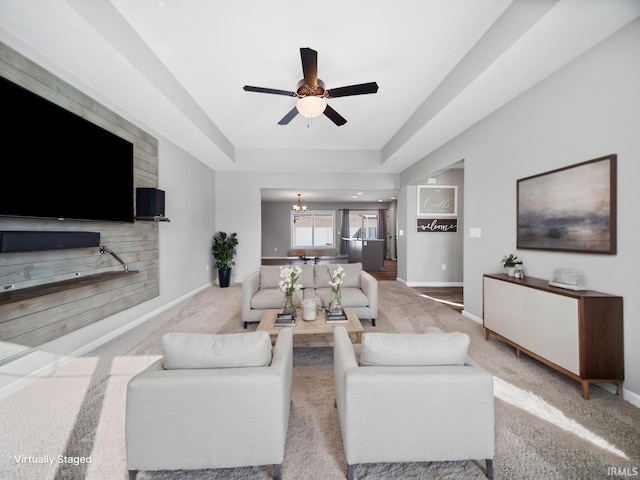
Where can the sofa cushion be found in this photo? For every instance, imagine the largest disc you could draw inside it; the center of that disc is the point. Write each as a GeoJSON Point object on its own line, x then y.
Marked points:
{"type": "Point", "coordinates": [350, 297]}
{"type": "Point", "coordinates": [321, 273]}
{"type": "Point", "coordinates": [352, 275]}
{"type": "Point", "coordinates": [414, 349]}
{"type": "Point", "coordinates": [270, 276]}
{"type": "Point", "coordinates": [267, 298]}
{"type": "Point", "coordinates": [350, 279]}
{"type": "Point", "coordinates": [200, 350]}
{"type": "Point", "coordinates": [307, 279]}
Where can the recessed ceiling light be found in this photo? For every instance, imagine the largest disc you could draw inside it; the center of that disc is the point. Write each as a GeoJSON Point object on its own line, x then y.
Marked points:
{"type": "Point", "coordinates": [392, 198]}
{"type": "Point", "coordinates": [380, 201]}
{"type": "Point", "coordinates": [354, 196]}
{"type": "Point", "coordinates": [360, 193]}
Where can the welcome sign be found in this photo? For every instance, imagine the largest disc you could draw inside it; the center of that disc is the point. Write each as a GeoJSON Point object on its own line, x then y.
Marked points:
{"type": "Point", "coordinates": [437, 224]}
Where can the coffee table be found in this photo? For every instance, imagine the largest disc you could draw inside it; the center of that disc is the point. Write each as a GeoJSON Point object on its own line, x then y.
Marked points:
{"type": "Point", "coordinates": [313, 333]}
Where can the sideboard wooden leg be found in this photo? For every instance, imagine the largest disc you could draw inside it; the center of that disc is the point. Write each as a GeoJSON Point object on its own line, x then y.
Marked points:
{"type": "Point", "coordinates": [585, 389]}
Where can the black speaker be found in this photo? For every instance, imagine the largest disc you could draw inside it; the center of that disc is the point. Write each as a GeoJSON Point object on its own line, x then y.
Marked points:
{"type": "Point", "coordinates": [149, 202]}
{"type": "Point", "coordinates": [26, 241]}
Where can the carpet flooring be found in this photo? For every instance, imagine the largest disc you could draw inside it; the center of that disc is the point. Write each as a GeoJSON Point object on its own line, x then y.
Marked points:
{"type": "Point", "coordinates": [544, 428]}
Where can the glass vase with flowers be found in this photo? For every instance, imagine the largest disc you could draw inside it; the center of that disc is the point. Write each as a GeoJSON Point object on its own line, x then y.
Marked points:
{"type": "Point", "coordinates": [289, 277]}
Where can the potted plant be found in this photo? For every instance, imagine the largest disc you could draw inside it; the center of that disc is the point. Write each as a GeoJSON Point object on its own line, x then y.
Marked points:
{"type": "Point", "coordinates": [224, 249]}
{"type": "Point", "coordinates": [510, 262]}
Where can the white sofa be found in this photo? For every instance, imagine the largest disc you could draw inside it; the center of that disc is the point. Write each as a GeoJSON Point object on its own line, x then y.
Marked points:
{"type": "Point", "coordinates": [412, 398]}
{"type": "Point", "coordinates": [260, 290]}
{"type": "Point", "coordinates": [213, 401]}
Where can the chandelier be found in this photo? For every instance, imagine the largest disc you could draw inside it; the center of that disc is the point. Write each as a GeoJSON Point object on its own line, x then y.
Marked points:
{"type": "Point", "coordinates": [298, 207]}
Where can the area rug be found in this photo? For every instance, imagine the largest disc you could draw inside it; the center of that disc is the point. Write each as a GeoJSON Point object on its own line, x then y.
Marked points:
{"type": "Point", "coordinates": [70, 425]}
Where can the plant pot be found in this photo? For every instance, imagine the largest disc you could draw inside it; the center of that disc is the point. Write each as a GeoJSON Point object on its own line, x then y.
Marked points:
{"type": "Point", "coordinates": [511, 271]}
{"type": "Point", "coordinates": [224, 277]}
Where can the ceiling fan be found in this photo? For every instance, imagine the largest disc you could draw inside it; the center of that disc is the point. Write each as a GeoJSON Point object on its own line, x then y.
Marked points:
{"type": "Point", "coordinates": [311, 92]}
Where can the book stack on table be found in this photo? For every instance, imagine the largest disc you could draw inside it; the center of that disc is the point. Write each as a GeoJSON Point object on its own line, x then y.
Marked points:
{"type": "Point", "coordinates": [336, 317]}
{"type": "Point", "coordinates": [285, 320]}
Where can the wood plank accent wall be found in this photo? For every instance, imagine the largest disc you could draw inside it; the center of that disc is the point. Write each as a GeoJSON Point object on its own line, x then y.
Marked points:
{"type": "Point", "coordinates": [27, 323]}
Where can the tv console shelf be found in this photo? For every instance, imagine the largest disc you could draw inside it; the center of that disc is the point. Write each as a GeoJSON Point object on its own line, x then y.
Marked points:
{"type": "Point", "coordinates": [29, 293]}
{"type": "Point", "coordinates": [152, 219]}
{"type": "Point", "coordinates": [577, 333]}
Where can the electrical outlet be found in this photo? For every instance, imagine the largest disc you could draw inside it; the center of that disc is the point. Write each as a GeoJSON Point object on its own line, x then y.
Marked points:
{"type": "Point", "coordinates": [206, 267]}
{"type": "Point", "coordinates": [444, 266]}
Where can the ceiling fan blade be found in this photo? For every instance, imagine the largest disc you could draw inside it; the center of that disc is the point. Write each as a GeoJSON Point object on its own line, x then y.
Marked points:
{"type": "Point", "coordinates": [360, 89]}
{"type": "Point", "coordinates": [334, 116]}
{"type": "Point", "coordinates": [289, 116]}
{"type": "Point", "coordinates": [249, 88]}
{"type": "Point", "coordinates": [309, 66]}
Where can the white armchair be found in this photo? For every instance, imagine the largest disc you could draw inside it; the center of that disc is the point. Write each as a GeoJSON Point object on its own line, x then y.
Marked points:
{"type": "Point", "coordinates": [412, 398]}
{"type": "Point", "coordinates": [211, 408]}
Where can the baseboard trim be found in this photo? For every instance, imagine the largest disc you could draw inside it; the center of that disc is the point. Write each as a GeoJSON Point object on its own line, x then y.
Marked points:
{"type": "Point", "coordinates": [631, 397]}
{"type": "Point", "coordinates": [473, 317]}
{"type": "Point", "coordinates": [434, 284]}
{"type": "Point", "coordinates": [44, 360]}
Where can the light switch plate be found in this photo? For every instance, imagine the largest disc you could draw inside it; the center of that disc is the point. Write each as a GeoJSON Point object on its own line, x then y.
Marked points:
{"type": "Point", "coordinates": [475, 232]}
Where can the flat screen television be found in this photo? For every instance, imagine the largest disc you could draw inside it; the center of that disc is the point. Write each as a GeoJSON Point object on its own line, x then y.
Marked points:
{"type": "Point", "coordinates": [55, 164]}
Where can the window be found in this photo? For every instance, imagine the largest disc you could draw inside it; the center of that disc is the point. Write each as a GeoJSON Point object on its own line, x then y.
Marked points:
{"type": "Point", "coordinates": [312, 229]}
{"type": "Point", "coordinates": [363, 224]}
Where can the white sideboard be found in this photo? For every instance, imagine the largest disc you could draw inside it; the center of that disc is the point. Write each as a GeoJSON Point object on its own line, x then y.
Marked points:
{"type": "Point", "coordinates": [579, 333]}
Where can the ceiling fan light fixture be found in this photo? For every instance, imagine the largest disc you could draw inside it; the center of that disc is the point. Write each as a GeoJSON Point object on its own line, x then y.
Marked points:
{"type": "Point", "coordinates": [311, 107]}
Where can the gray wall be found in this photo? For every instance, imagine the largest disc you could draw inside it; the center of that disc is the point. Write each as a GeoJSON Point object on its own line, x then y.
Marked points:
{"type": "Point", "coordinates": [586, 110]}
{"type": "Point", "coordinates": [276, 224]}
{"type": "Point", "coordinates": [238, 204]}
{"type": "Point", "coordinates": [186, 263]}
{"type": "Point", "coordinates": [427, 252]}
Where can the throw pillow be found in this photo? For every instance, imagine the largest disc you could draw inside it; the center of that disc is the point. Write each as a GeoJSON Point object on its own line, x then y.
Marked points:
{"type": "Point", "coordinates": [200, 350]}
{"type": "Point", "coordinates": [395, 349]}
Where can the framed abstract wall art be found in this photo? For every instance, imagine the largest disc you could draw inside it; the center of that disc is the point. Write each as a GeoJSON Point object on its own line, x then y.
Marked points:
{"type": "Point", "coordinates": [570, 209]}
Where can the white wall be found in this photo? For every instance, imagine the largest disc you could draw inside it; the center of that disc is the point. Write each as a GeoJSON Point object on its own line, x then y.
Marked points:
{"type": "Point", "coordinates": [588, 109]}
